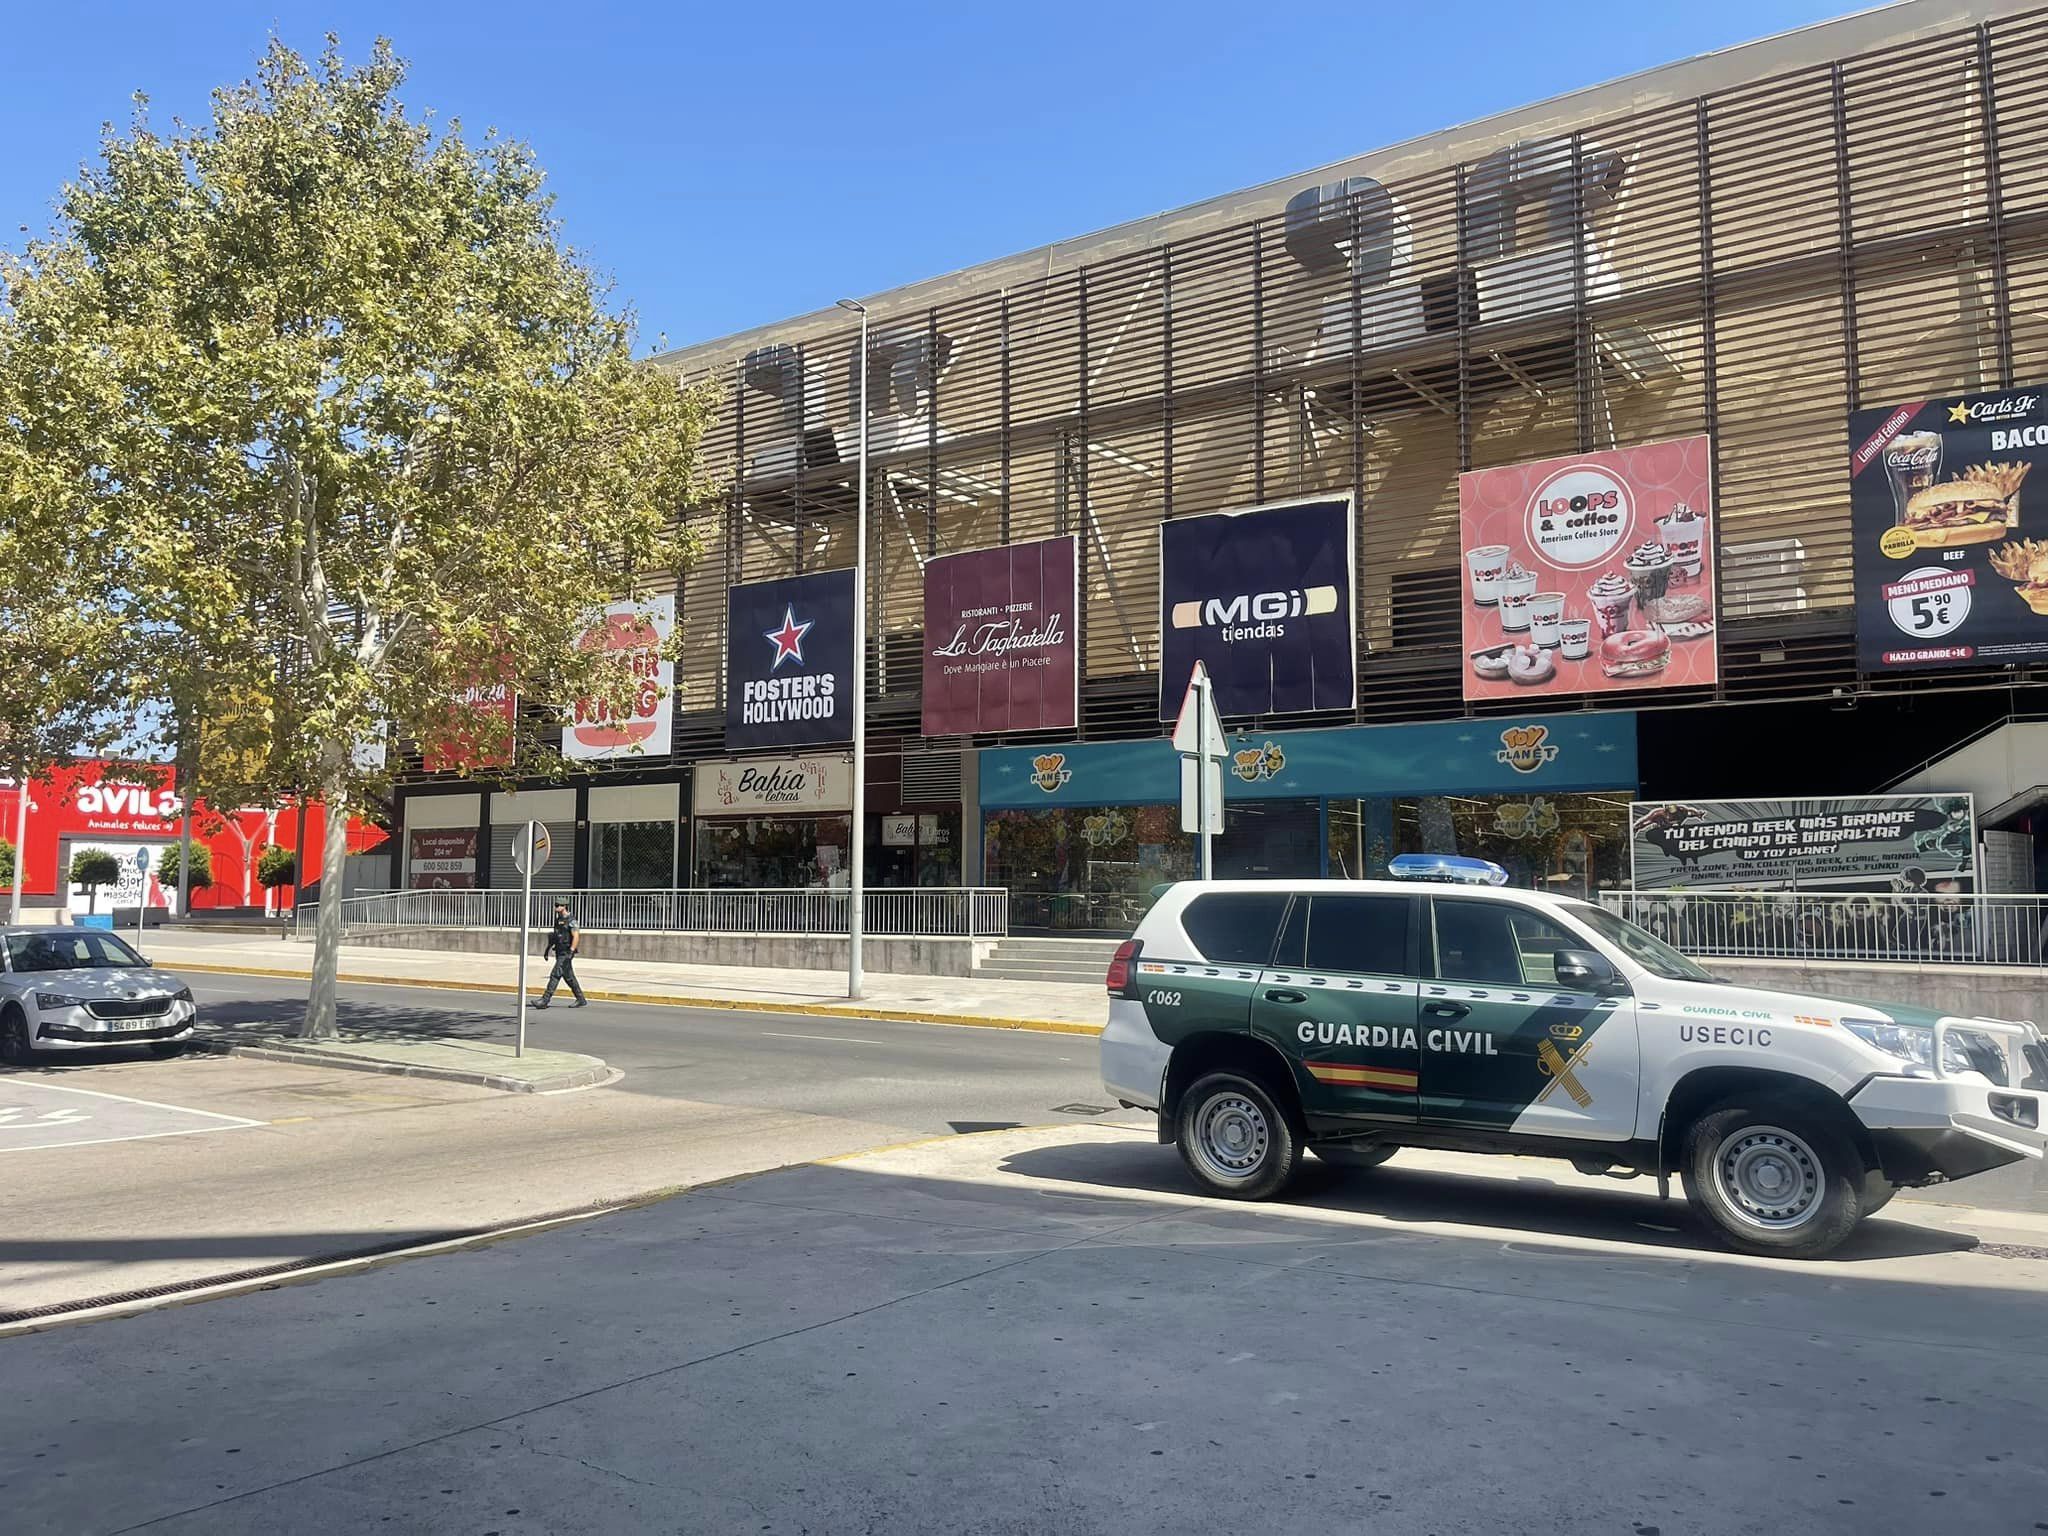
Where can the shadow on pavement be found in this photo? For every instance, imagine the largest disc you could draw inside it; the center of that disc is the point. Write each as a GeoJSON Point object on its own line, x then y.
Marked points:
{"type": "Point", "coordinates": [1529, 1202]}
{"type": "Point", "coordinates": [358, 1020]}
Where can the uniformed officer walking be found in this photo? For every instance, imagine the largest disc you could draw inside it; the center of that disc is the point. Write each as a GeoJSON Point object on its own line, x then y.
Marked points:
{"type": "Point", "coordinates": [562, 944]}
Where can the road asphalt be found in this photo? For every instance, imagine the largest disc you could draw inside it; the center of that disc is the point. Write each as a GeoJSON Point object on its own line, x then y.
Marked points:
{"type": "Point", "coordinates": [1042, 1331]}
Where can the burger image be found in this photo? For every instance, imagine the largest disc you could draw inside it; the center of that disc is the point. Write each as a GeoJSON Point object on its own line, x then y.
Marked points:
{"type": "Point", "coordinates": [1635, 653]}
{"type": "Point", "coordinates": [1975, 507]}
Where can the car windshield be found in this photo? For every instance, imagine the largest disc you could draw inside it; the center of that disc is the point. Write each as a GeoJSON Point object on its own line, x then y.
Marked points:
{"type": "Point", "coordinates": [82, 950]}
{"type": "Point", "coordinates": [1646, 949]}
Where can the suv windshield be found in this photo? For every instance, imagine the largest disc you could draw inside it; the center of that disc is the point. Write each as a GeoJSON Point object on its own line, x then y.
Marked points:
{"type": "Point", "coordinates": [1646, 949]}
{"type": "Point", "coordinates": [83, 950]}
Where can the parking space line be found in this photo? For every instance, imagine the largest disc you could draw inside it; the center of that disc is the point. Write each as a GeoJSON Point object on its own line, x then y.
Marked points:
{"type": "Point", "coordinates": [123, 1098]}
{"type": "Point", "coordinates": [100, 1141]}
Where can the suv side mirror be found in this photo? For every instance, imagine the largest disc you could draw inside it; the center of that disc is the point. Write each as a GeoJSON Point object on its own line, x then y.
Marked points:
{"type": "Point", "coordinates": [1586, 970]}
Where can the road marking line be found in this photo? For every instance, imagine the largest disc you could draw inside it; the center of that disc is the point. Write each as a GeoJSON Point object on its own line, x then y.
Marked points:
{"type": "Point", "coordinates": [770, 1034]}
{"type": "Point", "coordinates": [95, 1093]}
{"type": "Point", "coordinates": [100, 1141]}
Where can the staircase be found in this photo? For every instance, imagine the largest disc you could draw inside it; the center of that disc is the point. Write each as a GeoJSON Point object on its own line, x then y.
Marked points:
{"type": "Point", "coordinates": [1080, 961]}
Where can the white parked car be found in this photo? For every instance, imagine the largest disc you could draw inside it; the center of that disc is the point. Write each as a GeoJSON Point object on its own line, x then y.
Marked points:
{"type": "Point", "coordinates": [84, 989]}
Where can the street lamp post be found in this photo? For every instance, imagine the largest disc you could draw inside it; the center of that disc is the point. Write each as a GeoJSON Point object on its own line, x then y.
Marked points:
{"type": "Point", "coordinates": [857, 862]}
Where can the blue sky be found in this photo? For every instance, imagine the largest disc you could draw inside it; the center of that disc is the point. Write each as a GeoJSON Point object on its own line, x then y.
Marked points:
{"type": "Point", "coordinates": [731, 165]}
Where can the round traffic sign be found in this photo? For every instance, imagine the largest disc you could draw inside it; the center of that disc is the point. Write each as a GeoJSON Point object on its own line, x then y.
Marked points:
{"type": "Point", "coordinates": [530, 848]}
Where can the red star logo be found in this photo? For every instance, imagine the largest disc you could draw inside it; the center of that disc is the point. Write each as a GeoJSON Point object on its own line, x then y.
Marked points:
{"type": "Point", "coordinates": [788, 640]}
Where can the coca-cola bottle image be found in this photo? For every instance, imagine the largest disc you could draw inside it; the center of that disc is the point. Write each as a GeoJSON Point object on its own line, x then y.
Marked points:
{"type": "Point", "coordinates": [1912, 463]}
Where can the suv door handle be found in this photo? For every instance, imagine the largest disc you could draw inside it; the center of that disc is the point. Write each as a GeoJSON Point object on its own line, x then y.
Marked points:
{"type": "Point", "coordinates": [1277, 995]}
{"type": "Point", "coordinates": [1445, 1010]}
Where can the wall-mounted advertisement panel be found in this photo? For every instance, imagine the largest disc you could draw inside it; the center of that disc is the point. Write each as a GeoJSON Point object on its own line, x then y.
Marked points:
{"type": "Point", "coordinates": [1267, 599]}
{"type": "Point", "coordinates": [789, 661]}
{"type": "Point", "coordinates": [1946, 575]}
{"type": "Point", "coordinates": [638, 632]}
{"type": "Point", "coordinates": [1001, 632]}
{"type": "Point", "coordinates": [1592, 573]}
{"type": "Point", "coordinates": [1875, 842]}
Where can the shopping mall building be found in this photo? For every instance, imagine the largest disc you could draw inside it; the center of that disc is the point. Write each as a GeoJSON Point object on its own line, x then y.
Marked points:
{"type": "Point", "coordinates": [1662, 441]}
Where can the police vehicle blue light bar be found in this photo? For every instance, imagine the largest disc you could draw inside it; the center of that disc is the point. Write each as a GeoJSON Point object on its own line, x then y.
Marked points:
{"type": "Point", "coordinates": [1450, 867]}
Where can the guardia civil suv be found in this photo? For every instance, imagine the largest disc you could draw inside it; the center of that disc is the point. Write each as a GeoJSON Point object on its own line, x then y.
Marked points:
{"type": "Point", "coordinates": [1351, 1018]}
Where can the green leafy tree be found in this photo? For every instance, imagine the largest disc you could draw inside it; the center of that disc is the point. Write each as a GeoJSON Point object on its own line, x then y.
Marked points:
{"type": "Point", "coordinates": [7, 865]}
{"type": "Point", "coordinates": [92, 868]}
{"type": "Point", "coordinates": [276, 867]}
{"type": "Point", "coordinates": [373, 432]}
{"type": "Point", "coordinates": [201, 876]}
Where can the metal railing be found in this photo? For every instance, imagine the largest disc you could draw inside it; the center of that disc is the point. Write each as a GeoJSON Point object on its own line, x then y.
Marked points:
{"type": "Point", "coordinates": [976, 912]}
{"type": "Point", "coordinates": [1896, 926]}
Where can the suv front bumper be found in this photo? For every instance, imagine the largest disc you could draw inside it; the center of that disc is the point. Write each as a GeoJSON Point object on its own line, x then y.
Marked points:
{"type": "Point", "coordinates": [1930, 1130]}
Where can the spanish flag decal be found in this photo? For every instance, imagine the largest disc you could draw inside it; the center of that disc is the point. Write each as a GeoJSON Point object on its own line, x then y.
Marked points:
{"type": "Point", "coordinates": [1345, 1074]}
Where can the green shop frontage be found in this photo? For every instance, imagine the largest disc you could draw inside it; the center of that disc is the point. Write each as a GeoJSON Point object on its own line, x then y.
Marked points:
{"type": "Point", "coordinates": [1080, 834]}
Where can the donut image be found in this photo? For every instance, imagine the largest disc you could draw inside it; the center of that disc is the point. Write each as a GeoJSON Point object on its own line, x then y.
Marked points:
{"type": "Point", "coordinates": [1492, 663]}
{"type": "Point", "coordinates": [1531, 665]}
{"type": "Point", "coordinates": [1635, 653]}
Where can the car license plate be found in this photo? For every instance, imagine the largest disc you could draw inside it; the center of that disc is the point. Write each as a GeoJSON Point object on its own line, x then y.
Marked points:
{"type": "Point", "coordinates": [132, 1026]}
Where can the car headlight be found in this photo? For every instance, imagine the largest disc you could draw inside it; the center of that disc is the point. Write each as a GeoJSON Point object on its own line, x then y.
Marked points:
{"type": "Point", "coordinates": [182, 995]}
{"type": "Point", "coordinates": [54, 1000]}
{"type": "Point", "coordinates": [1964, 1050]}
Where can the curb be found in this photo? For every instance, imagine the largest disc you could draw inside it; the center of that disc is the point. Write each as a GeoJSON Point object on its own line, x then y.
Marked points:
{"type": "Point", "coordinates": [587, 1077]}
{"type": "Point", "coordinates": [663, 1000]}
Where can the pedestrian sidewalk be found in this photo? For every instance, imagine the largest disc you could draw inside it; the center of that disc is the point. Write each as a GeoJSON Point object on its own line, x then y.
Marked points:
{"type": "Point", "coordinates": [1057, 1007]}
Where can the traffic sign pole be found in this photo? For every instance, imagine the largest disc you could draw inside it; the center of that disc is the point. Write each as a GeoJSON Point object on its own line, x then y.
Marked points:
{"type": "Point", "coordinates": [1198, 738]}
{"type": "Point", "coordinates": [530, 851]}
{"type": "Point", "coordinates": [141, 894]}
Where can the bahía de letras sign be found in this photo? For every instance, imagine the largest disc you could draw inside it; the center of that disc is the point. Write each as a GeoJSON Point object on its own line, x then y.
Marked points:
{"type": "Point", "coordinates": [1000, 638]}
{"type": "Point", "coordinates": [793, 786]}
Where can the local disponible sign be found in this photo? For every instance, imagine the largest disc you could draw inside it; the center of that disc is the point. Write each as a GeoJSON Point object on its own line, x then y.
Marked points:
{"type": "Point", "coordinates": [1951, 565]}
{"type": "Point", "coordinates": [441, 858]}
{"type": "Point", "coordinates": [1590, 574]}
{"type": "Point", "coordinates": [789, 661]}
{"type": "Point", "coordinates": [999, 633]}
{"type": "Point", "coordinates": [1265, 599]}
{"type": "Point", "coordinates": [638, 633]}
{"type": "Point", "coordinates": [795, 786]}
{"type": "Point", "coordinates": [1899, 842]}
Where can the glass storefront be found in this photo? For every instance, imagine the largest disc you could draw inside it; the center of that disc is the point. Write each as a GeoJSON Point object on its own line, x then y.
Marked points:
{"type": "Point", "coordinates": [914, 848]}
{"type": "Point", "coordinates": [771, 852]}
{"type": "Point", "coordinates": [633, 855]}
{"type": "Point", "coordinates": [1545, 798]}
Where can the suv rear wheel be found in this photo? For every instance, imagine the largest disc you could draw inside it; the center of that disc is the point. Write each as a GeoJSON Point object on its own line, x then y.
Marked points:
{"type": "Point", "coordinates": [1774, 1178]}
{"type": "Point", "coordinates": [1235, 1139]}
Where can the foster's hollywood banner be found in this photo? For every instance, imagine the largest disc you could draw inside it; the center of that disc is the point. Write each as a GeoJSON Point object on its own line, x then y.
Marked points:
{"type": "Point", "coordinates": [1266, 598]}
{"type": "Point", "coordinates": [1591, 573]}
{"type": "Point", "coordinates": [1946, 575]}
{"type": "Point", "coordinates": [1000, 634]}
{"type": "Point", "coordinates": [789, 661]}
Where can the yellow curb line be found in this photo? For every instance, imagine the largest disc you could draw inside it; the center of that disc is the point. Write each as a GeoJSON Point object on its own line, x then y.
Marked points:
{"type": "Point", "coordinates": [659, 1000]}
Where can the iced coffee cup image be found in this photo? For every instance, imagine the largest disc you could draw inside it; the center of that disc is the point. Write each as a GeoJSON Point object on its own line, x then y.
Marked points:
{"type": "Point", "coordinates": [1486, 565]}
{"type": "Point", "coordinates": [1684, 533]}
{"type": "Point", "coordinates": [1546, 612]}
{"type": "Point", "coordinates": [1649, 567]}
{"type": "Point", "coordinates": [1517, 586]}
{"type": "Point", "coordinates": [1611, 596]}
{"type": "Point", "coordinates": [1575, 638]}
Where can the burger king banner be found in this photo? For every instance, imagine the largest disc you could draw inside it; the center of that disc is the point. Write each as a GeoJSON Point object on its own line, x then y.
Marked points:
{"type": "Point", "coordinates": [1592, 573]}
{"type": "Point", "coordinates": [639, 632]}
{"type": "Point", "coordinates": [1949, 513]}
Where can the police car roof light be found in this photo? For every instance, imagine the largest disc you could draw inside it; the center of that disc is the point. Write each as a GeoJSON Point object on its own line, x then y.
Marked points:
{"type": "Point", "coordinates": [1450, 867]}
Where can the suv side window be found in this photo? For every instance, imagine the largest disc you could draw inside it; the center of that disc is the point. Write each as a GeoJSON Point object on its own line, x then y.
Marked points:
{"type": "Point", "coordinates": [1359, 933]}
{"type": "Point", "coordinates": [1496, 942]}
{"type": "Point", "coordinates": [1235, 927]}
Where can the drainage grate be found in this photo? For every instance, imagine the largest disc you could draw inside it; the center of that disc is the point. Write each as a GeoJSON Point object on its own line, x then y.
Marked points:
{"type": "Point", "coordinates": [2010, 1251]}
{"type": "Point", "coordinates": [1080, 1109]}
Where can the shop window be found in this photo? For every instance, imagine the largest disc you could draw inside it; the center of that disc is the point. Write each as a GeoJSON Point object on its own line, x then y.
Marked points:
{"type": "Point", "coordinates": [1366, 934]}
{"type": "Point", "coordinates": [632, 855]}
{"type": "Point", "coordinates": [1090, 869]}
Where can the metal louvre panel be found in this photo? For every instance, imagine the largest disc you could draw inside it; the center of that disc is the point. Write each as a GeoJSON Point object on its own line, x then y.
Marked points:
{"type": "Point", "coordinates": [1753, 263]}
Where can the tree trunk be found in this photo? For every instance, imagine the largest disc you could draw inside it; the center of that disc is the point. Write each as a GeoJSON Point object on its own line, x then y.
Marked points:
{"type": "Point", "coordinates": [184, 862]}
{"type": "Point", "coordinates": [320, 1011]}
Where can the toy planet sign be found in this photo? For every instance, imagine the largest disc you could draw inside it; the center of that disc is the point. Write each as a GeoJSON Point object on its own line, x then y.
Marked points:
{"type": "Point", "coordinates": [1875, 842]}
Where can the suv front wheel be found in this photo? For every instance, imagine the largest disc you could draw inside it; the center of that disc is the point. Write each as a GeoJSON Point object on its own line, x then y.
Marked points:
{"type": "Point", "coordinates": [1235, 1139]}
{"type": "Point", "coordinates": [1774, 1179]}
